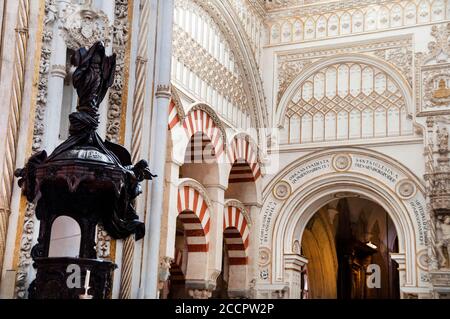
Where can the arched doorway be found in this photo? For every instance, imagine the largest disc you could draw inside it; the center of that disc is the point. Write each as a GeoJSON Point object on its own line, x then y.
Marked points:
{"type": "Point", "coordinates": [232, 281]}
{"type": "Point", "coordinates": [308, 184]}
{"type": "Point", "coordinates": [348, 243]}
{"type": "Point", "coordinates": [190, 264]}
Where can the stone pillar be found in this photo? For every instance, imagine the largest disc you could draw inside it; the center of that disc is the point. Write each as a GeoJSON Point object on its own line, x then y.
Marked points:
{"type": "Point", "coordinates": [55, 85]}
{"type": "Point", "coordinates": [400, 259]}
{"type": "Point", "coordinates": [293, 267]}
{"type": "Point", "coordinates": [137, 147]}
{"type": "Point", "coordinates": [217, 197]}
{"type": "Point", "coordinates": [159, 149]}
{"type": "Point", "coordinates": [169, 220]}
{"type": "Point", "coordinates": [253, 250]}
{"type": "Point", "coordinates": [107, 7]}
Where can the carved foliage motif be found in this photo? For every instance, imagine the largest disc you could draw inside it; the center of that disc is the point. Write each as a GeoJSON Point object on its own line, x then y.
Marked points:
{"type": "Point", "coordinates": [85, 26]}
{"type": "Point", "coordinates": [287, 72]}
{"type": "Point", "coordinates": [400, 57]}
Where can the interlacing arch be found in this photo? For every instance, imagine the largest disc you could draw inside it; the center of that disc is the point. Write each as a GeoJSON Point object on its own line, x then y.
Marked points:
{"type": "Point", "coordinates": [236, 235]}
{"type": "Point", "coordinates": [241, 152]}
{"type": "Point", "coordinates": [195, 215]}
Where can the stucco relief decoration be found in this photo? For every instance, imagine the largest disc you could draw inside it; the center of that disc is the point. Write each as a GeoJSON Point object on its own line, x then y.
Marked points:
{"type": "Point", "coordinates": [342, 162]}
{"type": "Point", "coordinates": [406, 189]}
{"type": "Point", "coordinates": [434, 77]}
{"type": "Point", "coordinates": [287, 72]}
{"type": "Point", "coordinates": [85, 26]}
{"type": "Point", "coordinates": [264, 257]}
{"type": "Point", "coordinates": [282, 190]}
{"type": "Point", "coordinates": [423, 259]}
{"type": "Point", "coordinates": [443, 242]}
{"type": "Point", "coordinates": [401, 58]}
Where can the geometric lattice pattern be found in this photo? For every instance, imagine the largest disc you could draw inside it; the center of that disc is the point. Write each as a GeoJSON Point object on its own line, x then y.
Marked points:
{"type": "Point", "coordinates": [345, 101]}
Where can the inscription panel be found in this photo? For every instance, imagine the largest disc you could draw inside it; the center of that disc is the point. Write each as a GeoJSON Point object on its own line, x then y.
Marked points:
{"type": "Point", "coordinates": [366, 166]}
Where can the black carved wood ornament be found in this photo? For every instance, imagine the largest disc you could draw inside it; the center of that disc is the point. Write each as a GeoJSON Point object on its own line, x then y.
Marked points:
{"type": "Point", "coordinates": [85, 178]}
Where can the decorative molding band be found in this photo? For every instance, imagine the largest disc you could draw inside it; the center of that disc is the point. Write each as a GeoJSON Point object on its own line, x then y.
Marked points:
{"type": "Point", "coordinates": [59, 71]}
{"type": "Point", "coordinates": [346, 18]}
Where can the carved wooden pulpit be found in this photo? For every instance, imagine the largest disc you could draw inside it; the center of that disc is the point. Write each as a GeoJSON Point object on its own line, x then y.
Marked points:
{"type": "Point", "coordinates": [85, 178]}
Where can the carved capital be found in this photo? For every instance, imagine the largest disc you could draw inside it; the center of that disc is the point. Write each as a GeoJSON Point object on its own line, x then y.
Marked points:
{"type": "Point", "coordinates": [163, 91]}
{"type": "Point", "coordinates": [59, 71]}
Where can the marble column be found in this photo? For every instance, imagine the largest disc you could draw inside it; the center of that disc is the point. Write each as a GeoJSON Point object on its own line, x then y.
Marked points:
{"type": "Point", "coordinates": [159, 149]}
{"type": "Point", "coordinates": [253, 250]}
{"type": "Point", "coordinates": [293, 267]}
{"type": "Point", "coordinates": [169, 221]}
{"type": "Point", "coordinates": [217, 196]}
{"type": "Point", "coordinates": [108, 7]}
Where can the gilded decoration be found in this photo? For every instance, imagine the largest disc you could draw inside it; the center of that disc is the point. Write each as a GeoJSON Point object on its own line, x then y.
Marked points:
{"type": "Point", "coordinates": [433, 74]}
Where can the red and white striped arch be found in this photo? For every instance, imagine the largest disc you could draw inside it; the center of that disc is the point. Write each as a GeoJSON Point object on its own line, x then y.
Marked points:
{"type": "Point", "coordinates": [174, 119]}
{"type": "Point", "coordinates": [241, 152]}
{"type": "Point", "coordinates": [195, 216]}
{"type": "Point", "coordinates": [176, 271]}
{"type": "Point", "coordinates": [199, 121]}
{"type": "Point", "coordinates": [236, 235]}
